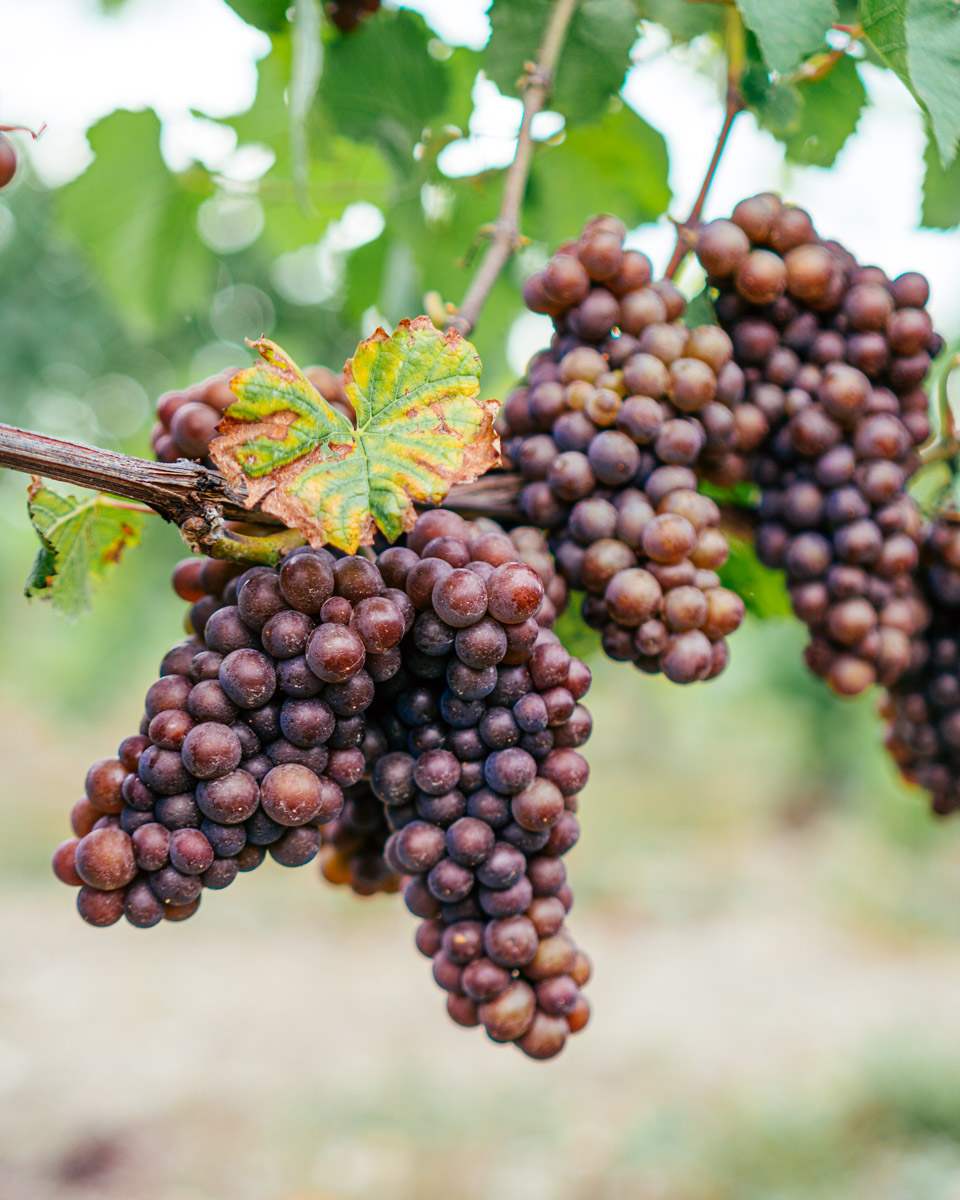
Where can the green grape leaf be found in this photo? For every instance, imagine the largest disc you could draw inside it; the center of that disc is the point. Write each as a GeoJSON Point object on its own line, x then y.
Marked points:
{"type": "Point", "coordinates": [341, 171]}
{"type": "Point", "coordinates": [933, 60]}
{"type": "Point", "coordinates": [593, 62]}
{"type": "Point", "coordinates": [420, 429]}
{"type": "Point", "coordinates": [136, 222]}
{"type": "Point", "coordinates": [787, 35]}
{"type": "Point", "coordinates": [941, 191]}
{"type": "Point", "coordinates": [920, 41]}
{"type": "Point", "coordinates": [775, 103]}
{"type": "Point", "coordinates": [883, 24]}
{"type": "Point", "coordinates": [619, 164]}
{"type": "Point", "coordinates": [683, 20]}
{"type": "Point", "coordinates": [813, 119]}
{"type": "Point", "coordinates": [763, 591]}
{"type": "Point", "coordinates": [829, 112]}
{"type": "Point", "coordinates": [699, 310]}
{"type": "Point", "coordinates": [80, 540]}
{"type": "Point", "coordinates": [268, 15]}
{"type": "Point", "coordinates": [381, 84]}
{"type": "Point", "coordinates": [575, 635]}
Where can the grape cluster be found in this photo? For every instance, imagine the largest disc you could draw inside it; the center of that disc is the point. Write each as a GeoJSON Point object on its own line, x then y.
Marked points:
{"type": "Point", "coordinates": [834, 356]}
{"type": "Point", "coordinates": [353, 844]}
{"type": "Point", "coordinates": [347, 14]}
{"type": "Point", "coordinates": [412, 719]}
{"type": "Point", "coordinates": [922, 709]}
{"type": "Point", "coordinates": [249, 736]}
{"type": "Point", "coordinates": [607, 433]}
{"type": "Point", "coordinates": [480, 782]}
{"type": "Point", "coordinates": [187, 420]}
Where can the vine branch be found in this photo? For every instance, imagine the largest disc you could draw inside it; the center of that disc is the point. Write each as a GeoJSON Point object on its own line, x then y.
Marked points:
{"type": "Point", "coordinates": [204, 506]}
{"type": "Point", "coordinates": [199, 500]}
{"type": "Point", "coordinates": [506, 230]}
{"type": "Point", "coordinates": [687, 230]}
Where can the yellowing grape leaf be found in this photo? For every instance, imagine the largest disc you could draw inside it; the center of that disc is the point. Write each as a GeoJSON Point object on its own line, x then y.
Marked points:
{"type": "Point", "coordinates": [79, 541]}
{"type": "Point", "coordinates": [420, 429]}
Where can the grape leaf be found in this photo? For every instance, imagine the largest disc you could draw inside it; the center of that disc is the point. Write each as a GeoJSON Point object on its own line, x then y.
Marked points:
{"type": "Point", "coordinates": [593, 62]}
{"type": "Point", "coordinates": [381, 84]}
{"type": "Point", "coordinates": [699, 310]}
{"type": "Point", "coordinates": [920, 41]}
{"type": "Point", "coordinates": [80, 540]}
{"type": "Point", "coordinates": [933, 60]}
{"type": "Point", "coordinates": [420, 429]}
{"type": "Point", "coordinates": [619, 164]}
{"type": "Point", "coordinates": [136, 222]}
{"type": "Point", "coordinates": [941, 191]}
{"type": "Point", "coordinates": [684, 20]}
{"type": "Point", "coordinates": [786, 35]}
{"type": "Point", "coordinates": [813, 119]}
{"type": "Point", "coordinates": [341, 171]}
{"type": "Point", "coordinates": [829, 113]}
{"type": "Point", "coordinates": [882, 22]}
{"type": "Point", "coordinates": [269, 15]}
{"type": "Point", "coordinates": [774, 102]}
{"type": "Point", "coordinates": [763, 591]}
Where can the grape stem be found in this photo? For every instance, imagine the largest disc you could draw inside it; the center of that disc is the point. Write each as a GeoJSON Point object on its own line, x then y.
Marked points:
{"type": "Point", "coordinates": [687, 230]}
{"type": "Point", "coordinates": [505, 233]}
{"type": "Point", "coordinates": [945, 445]}
{"type": "Point", "coordinates": [23, 129]}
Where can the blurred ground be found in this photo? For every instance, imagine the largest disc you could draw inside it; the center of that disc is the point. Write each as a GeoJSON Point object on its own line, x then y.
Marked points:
{"type": "Point", "coordinates": [772, 918]}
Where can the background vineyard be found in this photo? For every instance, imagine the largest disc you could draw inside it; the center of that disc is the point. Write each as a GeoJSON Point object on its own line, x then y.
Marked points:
{"type": "Point", "coordinates": [772, 915]}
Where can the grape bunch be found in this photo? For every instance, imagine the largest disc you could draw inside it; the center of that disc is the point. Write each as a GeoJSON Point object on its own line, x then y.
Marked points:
{"type": "Point", "coordinates": [248, 738]}
{"type": "Point", "coordinates": [347, 14]}
{"type": "Point", "coordinates": [480, 783]}
{"type": "Point", "coordinates": [352, 852]}
{"type": "Point", "coordinates": [834, 356]}
{"type": "Point", "coordinates": [607, 433]}
{"type": "Point", "coordinates": [412, 719]}
{"type": "Point", "coordinates": [187, 420]}
{"type": "Point", "coordinates": [922, 709]}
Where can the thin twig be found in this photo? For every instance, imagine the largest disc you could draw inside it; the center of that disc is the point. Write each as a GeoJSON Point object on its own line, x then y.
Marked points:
{"type": "Point", "coordinates": [506, 231]}
{"type": "Point", "coordinates": [23, 129]}
{"type": "Point", "coordinates": [687, 230]}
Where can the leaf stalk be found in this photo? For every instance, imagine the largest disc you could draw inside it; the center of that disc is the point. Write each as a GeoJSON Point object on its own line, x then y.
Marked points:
{"type": "Point", "coordinates": [505, 237]}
